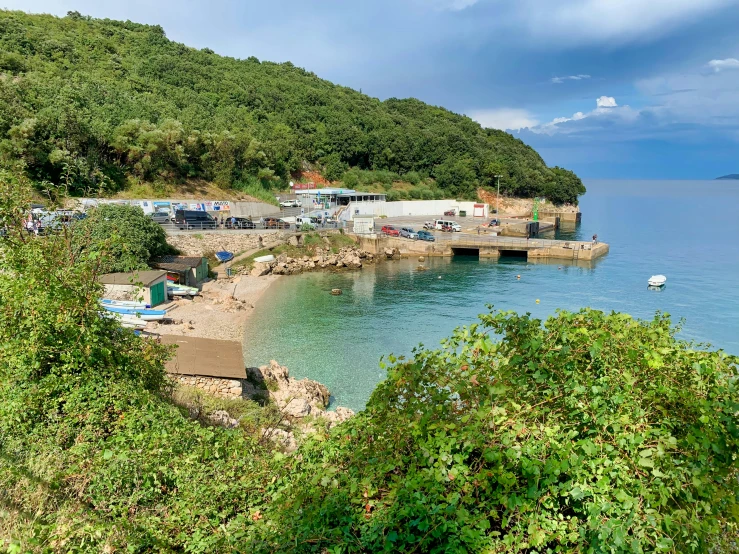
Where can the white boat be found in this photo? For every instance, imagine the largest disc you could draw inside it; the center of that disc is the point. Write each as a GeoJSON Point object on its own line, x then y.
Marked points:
{"type": "Point", "coordinates": [127, 321]}
{"type": "Point", "coordinates": [657, 281]}
{"type": "Point", "coordinates": [265, 259]}
{"type": "Point", "coordinates": [123, 303]}
{"type": "Point", "coordinates": [179, 292]}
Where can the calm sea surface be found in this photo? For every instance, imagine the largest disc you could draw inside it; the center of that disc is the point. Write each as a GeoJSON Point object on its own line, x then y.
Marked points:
{"type": "Point", "coordinates": [687, 230]}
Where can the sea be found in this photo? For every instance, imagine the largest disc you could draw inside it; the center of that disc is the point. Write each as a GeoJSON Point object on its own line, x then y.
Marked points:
{"type": "Point", "coordinates": [686, 230]}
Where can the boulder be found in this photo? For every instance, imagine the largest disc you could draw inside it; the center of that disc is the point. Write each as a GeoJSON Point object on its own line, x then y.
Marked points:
{"type": "Point", "coordinates": [283, 439]}
{"type": "Point", "coordinates": [389, 252]}
{"type": "Point", "coordinates": [260, 268]}
{"type": "Point", "coordinates": [297, 407]}
{"type": "Point", "coordinates": [339, 415]}
{"type": "Point", "coordinates": [223, 419]}
{"type": "Point", "coordinates": [284, 390]}
{"type": "Point", "coordinates": [293, 241]}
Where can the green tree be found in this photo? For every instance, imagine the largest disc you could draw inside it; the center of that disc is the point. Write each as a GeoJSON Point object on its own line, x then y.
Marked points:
{"type": "Point", "coordinates": [128, 237]}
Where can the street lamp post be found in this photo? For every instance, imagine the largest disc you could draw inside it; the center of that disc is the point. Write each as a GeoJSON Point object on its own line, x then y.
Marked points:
{"type": "Point", "coordinates": [497, 206]}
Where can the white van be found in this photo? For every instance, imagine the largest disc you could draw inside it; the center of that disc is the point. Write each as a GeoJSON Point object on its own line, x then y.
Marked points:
{"type": "Point", "coordinates": [304, 220]}
{"type": "Point", "coordinates": [439, 223]}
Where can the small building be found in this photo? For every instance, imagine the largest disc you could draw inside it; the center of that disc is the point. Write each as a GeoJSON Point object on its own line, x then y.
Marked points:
{"type": "Point", "coordinates": [192, 270]}
{"type": "Point", "coordinates": [364, 224]}
{"type": "Point", "coordinates": [147, 286]}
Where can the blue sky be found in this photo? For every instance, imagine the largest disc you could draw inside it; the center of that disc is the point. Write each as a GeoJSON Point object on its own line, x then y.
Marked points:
{"type": "Point", "coordinates": [609, 88]}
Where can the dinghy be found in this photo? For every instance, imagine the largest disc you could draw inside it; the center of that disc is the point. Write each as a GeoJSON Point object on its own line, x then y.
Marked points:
{"type": "Point", "coordinates": [131, 322]}
{"type": "Point", "coordinates": [180, 290]}
{"type": "Point", "coordinates": [123, 303]}
{"type": "Point", "coordinates": [265, 259]}
{"type": "Point", "coordinates": [224, 256]}
{"type": "Point", "coordinates": [146, 315]}
{"type": "Point", "coordinates": [657, 281]}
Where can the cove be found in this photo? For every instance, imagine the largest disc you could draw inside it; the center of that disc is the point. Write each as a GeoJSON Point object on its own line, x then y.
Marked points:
{"type": "Point", "coordinates": [392, 308]}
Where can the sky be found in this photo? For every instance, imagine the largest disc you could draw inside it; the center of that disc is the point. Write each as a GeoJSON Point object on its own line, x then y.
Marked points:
{"type": "Point", "coordinates": [608, 88]}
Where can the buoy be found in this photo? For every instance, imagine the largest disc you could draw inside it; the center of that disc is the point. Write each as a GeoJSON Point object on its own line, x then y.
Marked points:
{"type": "Point", "coordinates": [336, 292]}
{"type": "Point", "coordinates": [421, 259]}
{"type": "Point", "coordinates": [518, 276]}
{"type": "Point", "coordinates": [560, 267]}
{"type": "Point", "coordinates": [537, 300]}
{"type": "Point", "coordinates": [439, 277]}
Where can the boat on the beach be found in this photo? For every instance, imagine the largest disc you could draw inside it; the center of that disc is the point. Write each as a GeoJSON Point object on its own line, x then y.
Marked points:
{"type": "Point", "coordinates": [181, 290]}
{"type": "Point", "coordinates": [125, 320]}
{"type": "Point", "coordinates": [123, 303]}
{"type": "Point", "coordinates": [265, 259]}
{"type": "Point", "coordinates": [224, 256]}
{"type": "Point", "coordinates": [657, 281]}
{"type": "Point", "coordinates": [141, 313]}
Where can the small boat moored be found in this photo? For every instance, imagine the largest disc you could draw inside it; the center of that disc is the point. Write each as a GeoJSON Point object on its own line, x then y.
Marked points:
{"type": "Point", "coordinates": [265, 259]}
{"type": "Point", "coordinates": [657, 281]}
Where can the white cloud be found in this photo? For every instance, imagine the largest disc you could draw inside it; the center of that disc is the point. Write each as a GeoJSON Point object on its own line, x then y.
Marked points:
{"type": "Point", "coordinates": [720, 65]}
{"type": "Point", "coordinates": [560, 80]}
{"type": "Point", "coordinates": [505, 119]}
{"type": "Point", "coordinates": [606, 102]}
{"type": "Point", "coordinates": [599, 21]}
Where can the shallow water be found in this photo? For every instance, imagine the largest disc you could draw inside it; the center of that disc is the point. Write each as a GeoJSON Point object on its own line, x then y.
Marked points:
{"type": "Point", "coordinates": [686, 230]}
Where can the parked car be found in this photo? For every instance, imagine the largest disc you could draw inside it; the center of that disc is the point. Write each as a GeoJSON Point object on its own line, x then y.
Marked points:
{"type": "Point", "coordinates": [493, 223]}
{"type": "Point", "coordinates": [425, 235]}
{"type": "Point", "coordinates": [290, 203]}
{"type": "Point", "coordinates": [53, 222]}
{"type": "Point", "coordinates": [452, 225]}
{"type": "Point", "coordinates": [429, 225]}
{"type": "Point", "coordinates": [409, 233]}
{"type": "Point", "coordinates": [450, 213]}
{"type": "Point", "coordinates": [193, 219]}
{"type": "Point", "coordinates": [390, 231]}
{"type": "Point", "coordinates": [239, 223]}
{"type": "Point", "coordinates": [275, 223]}
{"type": "Point", "coordinates": [160, 217]}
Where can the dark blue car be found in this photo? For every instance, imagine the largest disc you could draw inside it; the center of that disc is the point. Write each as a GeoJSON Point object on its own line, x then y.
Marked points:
{"type": "Point", "coordinates": [425, 235]}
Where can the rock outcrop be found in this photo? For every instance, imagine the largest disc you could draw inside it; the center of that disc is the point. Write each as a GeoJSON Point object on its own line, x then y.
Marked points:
{"type": "Point", "coordinates": [349, 257]}
{"type": "Point", "coordinates": [297, 399]}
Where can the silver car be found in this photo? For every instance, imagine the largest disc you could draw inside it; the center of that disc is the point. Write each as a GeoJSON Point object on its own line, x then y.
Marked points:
{"type": "Point", "coordinates": [408, 233]}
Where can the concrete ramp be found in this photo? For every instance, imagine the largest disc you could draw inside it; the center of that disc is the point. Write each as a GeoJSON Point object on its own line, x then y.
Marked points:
{"type": "Point", "coordinates": [205, 357]}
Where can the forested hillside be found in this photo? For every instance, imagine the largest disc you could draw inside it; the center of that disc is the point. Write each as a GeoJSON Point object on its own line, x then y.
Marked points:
{"type": "Point", "coordinates": [97, 104]}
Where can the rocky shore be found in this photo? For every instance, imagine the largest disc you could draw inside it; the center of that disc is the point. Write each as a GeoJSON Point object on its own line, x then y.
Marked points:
{"type": "Point", "coordinates": [349, 257]}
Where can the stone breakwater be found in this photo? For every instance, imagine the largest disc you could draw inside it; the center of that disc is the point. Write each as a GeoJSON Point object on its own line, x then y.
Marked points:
{"type": "Point", "coordinates": [349, 257]}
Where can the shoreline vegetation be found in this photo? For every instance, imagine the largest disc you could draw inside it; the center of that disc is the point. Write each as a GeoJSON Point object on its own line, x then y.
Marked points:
{"type": "Point", "coordinates": [584, 432]}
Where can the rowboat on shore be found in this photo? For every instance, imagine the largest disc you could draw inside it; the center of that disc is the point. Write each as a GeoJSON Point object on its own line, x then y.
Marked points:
{"type": "Point", "coordinates": [123, 303]}
{"type": "Point", "coordinates": [224, 256]}
{"type": "Point", "coordinates": [144, 314]}
{"type": "Point", "coordinates": [125, 320]}
{"type": "Point", "coordinates": [265, 259]}
{"type": "Point", "coordinates": [181, 290]}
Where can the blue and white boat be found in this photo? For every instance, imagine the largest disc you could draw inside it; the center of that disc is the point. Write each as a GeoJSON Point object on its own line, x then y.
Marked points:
{"type": "Point", "coordinates": [181, 290]}
{"type": "Point", "coordinates": [141, 313]}
{"type": "Point", "coordinates": [224, 256]}
{"type": "Point", "coordinates": [123, 303]}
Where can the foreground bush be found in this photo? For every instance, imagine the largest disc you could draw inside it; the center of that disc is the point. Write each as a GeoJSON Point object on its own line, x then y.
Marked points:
{"type": "Point", "coordinates": [589, 433]}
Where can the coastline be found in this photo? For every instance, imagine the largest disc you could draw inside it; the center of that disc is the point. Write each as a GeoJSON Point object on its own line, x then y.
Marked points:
{"type": "Point", "coordinates": [220, 312]}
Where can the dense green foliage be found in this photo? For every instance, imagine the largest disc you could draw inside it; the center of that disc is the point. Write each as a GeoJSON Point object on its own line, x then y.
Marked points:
{"type": "Point", "coordinates": [93, 103]}
{"type": "Point", "coordinates": [589, 432]}
{"type": "Point", "coordinates": [129, 238]}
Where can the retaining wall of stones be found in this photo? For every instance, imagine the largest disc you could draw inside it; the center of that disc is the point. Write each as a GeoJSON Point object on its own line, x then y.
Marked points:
{"type": "Point", "coordinates": [225, 388]}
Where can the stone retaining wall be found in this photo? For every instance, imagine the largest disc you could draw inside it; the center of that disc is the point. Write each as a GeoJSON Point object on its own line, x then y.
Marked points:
{"type": "Point", "coordinates": [225, 388]}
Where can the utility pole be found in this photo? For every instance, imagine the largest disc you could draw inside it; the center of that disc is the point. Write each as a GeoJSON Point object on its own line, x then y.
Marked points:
{"type": "Point", "coordinates": [497, 207]}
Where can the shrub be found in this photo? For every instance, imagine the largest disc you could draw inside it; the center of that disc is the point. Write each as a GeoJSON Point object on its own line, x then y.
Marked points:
{"type": "Point", "coordinates": [588, 433]}
{"type": "Point", "coordinates": [123, 237]}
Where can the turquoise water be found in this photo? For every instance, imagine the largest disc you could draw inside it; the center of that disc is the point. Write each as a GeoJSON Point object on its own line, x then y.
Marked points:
{"type": "Point", "coordinates": [686, 230]}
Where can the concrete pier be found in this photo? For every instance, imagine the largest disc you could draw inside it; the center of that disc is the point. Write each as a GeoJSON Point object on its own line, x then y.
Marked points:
{"type": "Point", "coordinates": [449, 244]}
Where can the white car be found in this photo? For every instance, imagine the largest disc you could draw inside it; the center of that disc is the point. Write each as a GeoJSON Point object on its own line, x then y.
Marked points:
{"type": "Point", "coordinates": [290, 203]}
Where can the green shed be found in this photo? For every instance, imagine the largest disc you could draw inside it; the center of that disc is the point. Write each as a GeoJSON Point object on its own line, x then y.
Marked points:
{"type": "Point", "coordinates": [147, 286]}
{"type": "Point", "coordinates": [192, 270]}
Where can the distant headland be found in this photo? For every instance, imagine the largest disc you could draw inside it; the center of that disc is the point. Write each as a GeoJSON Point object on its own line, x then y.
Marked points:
{"type": "Point", "coordinates": [734, 176]}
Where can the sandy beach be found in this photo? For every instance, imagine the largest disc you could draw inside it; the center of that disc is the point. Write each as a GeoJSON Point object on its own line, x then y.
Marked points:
{"type": "Point", "coordinates": [220, 311]}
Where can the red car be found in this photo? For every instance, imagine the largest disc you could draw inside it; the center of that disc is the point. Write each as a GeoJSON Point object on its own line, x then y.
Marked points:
{"type": "Point", "coordinates": [450, 213]}
{"type": "Point", "coordinates": [390, 231]}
